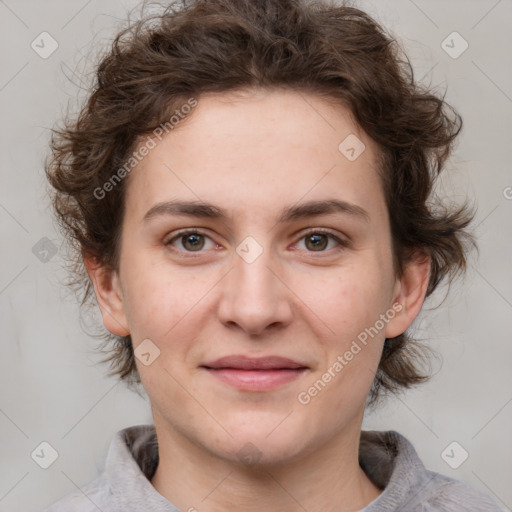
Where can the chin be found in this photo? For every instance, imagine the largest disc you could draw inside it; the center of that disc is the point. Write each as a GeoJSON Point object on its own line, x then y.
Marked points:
{"type": "Point", "coordinates": [261, 445]}
{"type": "Point", "coordinates": [262, 454]}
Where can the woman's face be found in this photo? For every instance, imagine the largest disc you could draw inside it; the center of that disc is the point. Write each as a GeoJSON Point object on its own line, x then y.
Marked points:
{"type": "Point", "coordinates": [291, 258]}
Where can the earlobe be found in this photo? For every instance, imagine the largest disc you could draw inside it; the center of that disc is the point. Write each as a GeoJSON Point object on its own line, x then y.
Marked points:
{"type": "Point", "coordinates": [109, 296]}
{"type": "Point", "coordinates": [410, 293]}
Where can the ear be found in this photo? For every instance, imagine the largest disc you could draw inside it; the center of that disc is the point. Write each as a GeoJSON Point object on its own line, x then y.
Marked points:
{"type": "Point", "coordinates": [109, 296]}
{"type": "Point", "coordinates": [409, 292]}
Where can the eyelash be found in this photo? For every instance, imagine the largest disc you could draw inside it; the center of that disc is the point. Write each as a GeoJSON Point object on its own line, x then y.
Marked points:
{"type": "Point", "coordinates": [342, 244]}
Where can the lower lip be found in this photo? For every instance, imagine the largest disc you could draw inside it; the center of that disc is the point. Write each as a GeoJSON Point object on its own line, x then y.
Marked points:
{"type": "Point", "coordinates": [256, 380]}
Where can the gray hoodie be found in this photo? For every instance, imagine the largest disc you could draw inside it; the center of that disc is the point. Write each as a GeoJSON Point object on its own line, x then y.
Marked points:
{"type": "Point", "coordinates": [388, 459]}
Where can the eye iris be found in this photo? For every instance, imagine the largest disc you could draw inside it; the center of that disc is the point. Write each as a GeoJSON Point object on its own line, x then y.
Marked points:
{"type": "Point", "coordinates": [319, 241]}
{"type": "Point", "coordinates": [197, 241]}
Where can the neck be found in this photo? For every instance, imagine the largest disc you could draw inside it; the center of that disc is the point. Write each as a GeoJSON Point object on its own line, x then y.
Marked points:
{"type": "Point", "coordinates": [328, 479]}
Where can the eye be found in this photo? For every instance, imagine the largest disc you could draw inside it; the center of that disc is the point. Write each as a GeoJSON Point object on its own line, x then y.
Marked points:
{"type": "Point", "coordinates": [194, 240]}
{"type": "Point", "coordinates": [317, 240]}
{"type": "Point", "coordinates": [191, 240]}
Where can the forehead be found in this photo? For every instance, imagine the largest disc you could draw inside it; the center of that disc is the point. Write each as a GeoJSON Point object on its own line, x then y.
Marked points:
{"type": "Point", "coordinates": [256, 148]}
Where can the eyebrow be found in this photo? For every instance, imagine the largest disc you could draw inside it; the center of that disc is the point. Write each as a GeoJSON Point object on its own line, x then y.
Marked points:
{"type": "Point", "coordinates": [205, 210]}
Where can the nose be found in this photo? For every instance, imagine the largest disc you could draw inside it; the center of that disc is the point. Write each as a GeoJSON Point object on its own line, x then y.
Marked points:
{"type": "Point", "coordinates": [255, 297]}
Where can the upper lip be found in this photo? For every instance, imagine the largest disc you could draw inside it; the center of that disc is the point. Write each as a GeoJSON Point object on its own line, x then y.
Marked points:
{"type": "Point", "coordinates": [241, 362]}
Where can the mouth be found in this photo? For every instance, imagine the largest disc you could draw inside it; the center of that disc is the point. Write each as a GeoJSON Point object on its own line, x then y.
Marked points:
{"type": "Point", "coordinates": [255, 374]}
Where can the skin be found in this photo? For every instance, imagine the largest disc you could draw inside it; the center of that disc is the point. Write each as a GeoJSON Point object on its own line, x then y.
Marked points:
{"type": "Point", "coordinates": [254, 153]}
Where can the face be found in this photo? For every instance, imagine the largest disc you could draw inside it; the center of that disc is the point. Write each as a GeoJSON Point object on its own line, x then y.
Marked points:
{"type": "Point", "coordinates": [292, 259]}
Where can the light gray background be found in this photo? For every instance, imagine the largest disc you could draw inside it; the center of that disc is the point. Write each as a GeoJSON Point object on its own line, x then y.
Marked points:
{"type": "Point", "coordinates": [50, 386]}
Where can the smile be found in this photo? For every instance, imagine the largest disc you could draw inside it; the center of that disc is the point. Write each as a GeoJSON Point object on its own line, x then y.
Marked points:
{"type": "Point", "coordinates": [255, 374]}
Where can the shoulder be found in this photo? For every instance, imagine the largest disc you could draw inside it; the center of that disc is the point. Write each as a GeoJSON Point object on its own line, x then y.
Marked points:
{"type": "Point", "coordinates": [446, 494]}
{"type": "Point", "coordinates": [393, 464]}
{"type": "Point", "coordinates": [91, 498]}
{"type": "Point", "coordinates": [123, 481]}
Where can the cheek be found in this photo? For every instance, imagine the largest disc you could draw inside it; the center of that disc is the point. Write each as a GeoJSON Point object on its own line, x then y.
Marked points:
{"type": "Point", "coordinates": [352, 348]}
{"type": "Point", "coordinates": [349, 300]}
{"type": "Point", "coordinates": [350, 305]}
{"type": "Point", "coordinates": [159, 298]}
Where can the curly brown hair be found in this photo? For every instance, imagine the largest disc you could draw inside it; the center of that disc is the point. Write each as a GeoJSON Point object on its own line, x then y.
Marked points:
{"type": "Point", "coordinates": [160, 61]}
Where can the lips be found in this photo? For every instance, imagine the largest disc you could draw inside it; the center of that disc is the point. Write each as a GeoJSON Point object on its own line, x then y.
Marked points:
{"type": "Point", "coordinates": [254, 364]}
{"type": "Point", "coordinates": [255, 374]}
